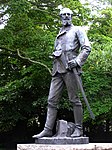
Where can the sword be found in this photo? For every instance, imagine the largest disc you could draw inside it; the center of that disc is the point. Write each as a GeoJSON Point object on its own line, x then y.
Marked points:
{"type": "Point", "coordinates": [82, 90]}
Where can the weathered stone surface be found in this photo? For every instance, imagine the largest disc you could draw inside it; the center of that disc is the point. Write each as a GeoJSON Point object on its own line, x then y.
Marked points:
{"type": "Point", "coordinates": [62, 140]}
{"type": "Point", "coordinates": [90, 146]}
{"type": "Point", "coordinates": [64, 128]}
{"type": "Point", "coordinates": [61, 128]}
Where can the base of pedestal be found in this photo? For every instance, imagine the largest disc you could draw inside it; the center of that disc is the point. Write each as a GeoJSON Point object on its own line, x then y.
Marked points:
{"type": "Point", "coordinates": [62, 140]}
{"type": "Point", "coordinates": [90, 146]}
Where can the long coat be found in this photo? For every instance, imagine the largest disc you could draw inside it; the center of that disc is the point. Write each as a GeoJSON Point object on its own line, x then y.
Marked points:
{"type": "Point", "coordinates": [71, 42]}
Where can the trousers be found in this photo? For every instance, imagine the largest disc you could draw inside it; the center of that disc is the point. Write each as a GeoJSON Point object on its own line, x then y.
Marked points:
{"type": "Point", "coordinates": [58, 82]}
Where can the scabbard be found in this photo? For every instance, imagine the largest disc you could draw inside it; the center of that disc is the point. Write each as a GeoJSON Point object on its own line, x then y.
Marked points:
{"type": "Point", "coordinates": [79, 84]}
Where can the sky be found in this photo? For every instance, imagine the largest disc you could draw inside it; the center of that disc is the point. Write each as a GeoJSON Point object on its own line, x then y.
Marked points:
{"type": "Point", "coordinates": [95, 3]}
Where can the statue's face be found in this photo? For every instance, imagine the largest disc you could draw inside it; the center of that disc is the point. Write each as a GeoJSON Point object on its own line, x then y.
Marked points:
{"type": "Point", "coordinates": [66, 16]}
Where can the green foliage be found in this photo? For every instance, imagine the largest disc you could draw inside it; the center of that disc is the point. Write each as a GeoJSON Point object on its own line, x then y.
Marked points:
{"type": "Point", "coordinates": [102, 25]}
{"type": "Point", "coordinates": [98, 71]}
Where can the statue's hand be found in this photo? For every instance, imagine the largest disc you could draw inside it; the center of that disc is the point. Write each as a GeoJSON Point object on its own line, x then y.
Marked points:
{"type": "Point", "coordinates": [72, 63]}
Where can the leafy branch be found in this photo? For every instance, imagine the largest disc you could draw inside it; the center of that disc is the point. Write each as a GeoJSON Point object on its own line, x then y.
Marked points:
{"type": "Point", "coordinates": [26, 58]}
{"type": "Point", "coordinates": [33, 61]}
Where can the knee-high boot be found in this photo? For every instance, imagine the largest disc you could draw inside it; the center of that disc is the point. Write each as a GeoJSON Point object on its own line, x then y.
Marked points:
{"type": "Point", "coordinates": [50, 120]}
{"type": "Point", "coordinates": [78, 116]}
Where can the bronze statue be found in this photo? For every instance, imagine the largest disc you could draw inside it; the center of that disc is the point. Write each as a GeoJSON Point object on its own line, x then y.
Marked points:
{"type": "Point", "coordinates": [72, 48]}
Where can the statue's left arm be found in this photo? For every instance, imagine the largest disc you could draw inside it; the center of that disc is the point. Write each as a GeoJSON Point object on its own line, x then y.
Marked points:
{"type": "Point", "coordinates": [84, 46]}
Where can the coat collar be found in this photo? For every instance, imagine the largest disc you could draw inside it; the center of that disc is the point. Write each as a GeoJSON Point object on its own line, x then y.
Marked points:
{"type": "Point", "coordinates": [64, 30]}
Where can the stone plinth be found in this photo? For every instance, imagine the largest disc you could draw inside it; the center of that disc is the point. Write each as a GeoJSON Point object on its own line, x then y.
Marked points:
{"type": "Point", "coordinates": [62, 140]}
{"type": "Point", "coordinates": [90, 146]}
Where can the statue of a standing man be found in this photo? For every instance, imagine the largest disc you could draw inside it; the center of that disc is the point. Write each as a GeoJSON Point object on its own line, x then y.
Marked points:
{"type": "Point", "coordinates": [72, 48]}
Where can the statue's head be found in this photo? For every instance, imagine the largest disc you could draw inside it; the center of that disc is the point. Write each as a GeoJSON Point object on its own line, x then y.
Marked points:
{"type": "Point", "coordinates": [66, 16]}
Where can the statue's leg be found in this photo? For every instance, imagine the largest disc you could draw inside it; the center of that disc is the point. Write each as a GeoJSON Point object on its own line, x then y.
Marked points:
{"type": "Point", "coordinates": [50, 120]}
{"type": "Point", "coordinates": [77, 106]}
{"type": "Point", "coordinates": [78, 116]}
{"type": "Point", "coordinates": [54, 96]}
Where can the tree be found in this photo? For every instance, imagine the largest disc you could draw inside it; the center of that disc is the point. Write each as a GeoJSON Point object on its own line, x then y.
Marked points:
{"type": "Point", "coordinates": [98, 71]}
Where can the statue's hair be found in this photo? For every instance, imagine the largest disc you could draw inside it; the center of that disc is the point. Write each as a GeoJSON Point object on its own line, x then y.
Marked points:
{"type": "Point", "coordinates": [65, 10]}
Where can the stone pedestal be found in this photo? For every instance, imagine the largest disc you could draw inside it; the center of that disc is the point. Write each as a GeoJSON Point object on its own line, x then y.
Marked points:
{"type": "Point", "coordinates": [62, 140]}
